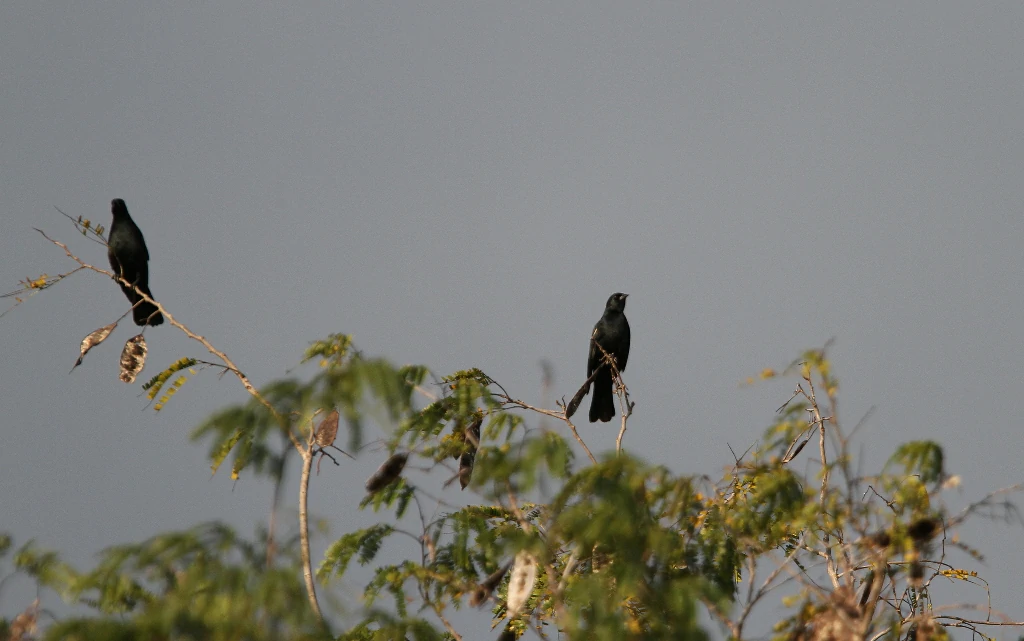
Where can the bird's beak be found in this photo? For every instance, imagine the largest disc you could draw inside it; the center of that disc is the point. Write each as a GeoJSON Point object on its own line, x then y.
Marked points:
{"type": "Point", "coordinates": [625, 295]}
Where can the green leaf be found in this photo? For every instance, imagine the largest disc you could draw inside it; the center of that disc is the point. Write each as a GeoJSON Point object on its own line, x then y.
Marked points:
{"type": "Point", "coordinates": [366, 543]}
{"type": "Point", "coordinates": [923, 458]}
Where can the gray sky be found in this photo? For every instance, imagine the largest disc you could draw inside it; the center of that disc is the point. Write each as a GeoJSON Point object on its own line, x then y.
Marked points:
{"type": "Point", "coordinates": [465, 184]}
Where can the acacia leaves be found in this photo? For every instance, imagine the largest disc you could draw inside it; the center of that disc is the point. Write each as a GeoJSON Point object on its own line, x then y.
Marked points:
{"type": "Point", "coordinates": [366, 543]}
{"type": "Point", "coordinates": [354, 386]}
{"type": "Point", "coordinates": [921, 458]}
{"type": "Point", "coordinates": [206, 583]}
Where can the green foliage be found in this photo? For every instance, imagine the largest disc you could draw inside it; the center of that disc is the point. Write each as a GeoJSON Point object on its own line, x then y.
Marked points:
{"type": "Point", "coordinates": [204, 583]}
{"type": "Point", "coordinates": [623, 549]}
{"type": "Point", "coordinates": [921, 458]}
{"type": "Point", "coordinates": [366, 543]}
{"type": "Point", "coordinates": [397, 495]}
{"type": "Point", "coordinates": [382, 626]}
{"type": "Point", "coordinates": [331, 351]}
{"type": "Point", "coordinates": [157, 383]}
{"type": "Point", "coordinates": [356, 386]}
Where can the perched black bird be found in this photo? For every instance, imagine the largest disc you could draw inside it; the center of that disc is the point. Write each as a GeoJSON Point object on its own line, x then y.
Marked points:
{"type": "Point", "coordinates": [129, 259]}
{"type": "Point", "coordinates": [612, 333]}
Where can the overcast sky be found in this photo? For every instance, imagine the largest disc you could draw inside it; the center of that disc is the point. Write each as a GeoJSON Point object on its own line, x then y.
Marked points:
{"type": "Point", "coordinates": [465, 184]}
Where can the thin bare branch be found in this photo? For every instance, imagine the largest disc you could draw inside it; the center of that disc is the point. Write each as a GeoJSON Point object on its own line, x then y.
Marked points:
{"type": "Point", "coordinates": [307, 567]}
{"type": "Point", "coordinates": [508, 401]}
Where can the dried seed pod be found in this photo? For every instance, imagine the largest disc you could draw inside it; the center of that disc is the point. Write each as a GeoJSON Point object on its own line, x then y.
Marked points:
{"type": "Point", "coordinates": [922, 530]}
{"type": "Point", "coordinates": [472, 432]}
{"type": "Point", "coordinates": [520, 585]}
{"type": "Point", "coordinates": [133, 358]}
{"type": "Point", "coordinates": [915, 575]}
{"type": "Point", "coordinates": [387, 473]}
{"type": "Point", "coordinates": [92, 340]}
{"type": "Point", "coordinates": [487, 586]}
{"type": "Point", "coordinates": [466, 468]}
{"type": "Point", "coordinates": [468, 457]}
{"type": "Point", "coordinates": [879, 540]}
{"type": "Point", "coordinates": [24, 626]}
{"type": "Point", "coordinates": [792, 453]}
{"type": "Point", "coordinates": [327, 431]}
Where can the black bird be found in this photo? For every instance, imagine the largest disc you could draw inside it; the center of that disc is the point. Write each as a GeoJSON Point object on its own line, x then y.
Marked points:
{"type": "Point", "coordinates": [612, 333]}
{"type": "Point", "coordinates": [129, 258]}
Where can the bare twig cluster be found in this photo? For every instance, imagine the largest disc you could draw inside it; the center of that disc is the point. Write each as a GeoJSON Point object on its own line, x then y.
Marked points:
{"type": "Point", "coordinates": [876, 585]}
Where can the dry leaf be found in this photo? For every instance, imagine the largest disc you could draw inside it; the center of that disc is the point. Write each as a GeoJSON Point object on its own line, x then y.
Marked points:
{"type": "Point", "coordinates": [133, 358]}
{"type": "Point", "coordinates": [92, 340]}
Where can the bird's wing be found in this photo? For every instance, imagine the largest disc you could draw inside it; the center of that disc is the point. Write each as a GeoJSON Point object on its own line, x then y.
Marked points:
{"type": "Point", "coordinates": [140, 240]}
{"type": "Point", "coordinates": [624, 356]}
{"type": "Point", "coordinates": [594, 358]}
{"type": "Point", "coordinates": [115, 265]}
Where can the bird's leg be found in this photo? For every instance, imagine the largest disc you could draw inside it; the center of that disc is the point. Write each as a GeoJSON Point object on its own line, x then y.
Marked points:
{"type": "Point", "coordinates": [322, 455]}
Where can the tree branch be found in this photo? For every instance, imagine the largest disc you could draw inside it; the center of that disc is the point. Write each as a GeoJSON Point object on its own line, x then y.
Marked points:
{"type": "Point", "coordinates": [307, 568]}
{"type": "Point", "coordinates": [246, 383]}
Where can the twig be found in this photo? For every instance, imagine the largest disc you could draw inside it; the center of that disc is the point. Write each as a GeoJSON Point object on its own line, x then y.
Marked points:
{"type": "Point", "coordinates": [508, 400]}
{"type": "Point", "coordinates": [427, 547]}
{"type": "Point", "coordinates": [448, 626]}
{"type": "Point", "coordinates": [986, 502]}
{"type": "Point", "coordinates": [621, 391]}
{"type": "Point", "coordinates": [718, 614]}
{"type": "Point", "coordinates": [96, 237]}
{"type": "Point", "coordinates": [579, 440]}
{"type": "Point", "coordinates": [817, 420]}
{"type": "Point", "coordinates": [514, 506]}
{"type": "Point", "coordinates": [34, 287]}
{"type": "Point", "coordinates": [622, 432]}
{"type": "Point", "coordinates": [752, 596]}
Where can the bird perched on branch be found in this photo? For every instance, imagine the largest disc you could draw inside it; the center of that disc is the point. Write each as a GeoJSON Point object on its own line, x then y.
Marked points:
{"type": "Point", "coordinates": [611, 333]}
{"type": "Point", "coordinates": [129, 258]}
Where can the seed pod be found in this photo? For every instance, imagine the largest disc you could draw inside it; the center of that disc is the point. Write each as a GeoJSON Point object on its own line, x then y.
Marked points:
{"type": "Point", "coordinates": [520, 585]}
{"type": "Point", "coordinates": [922, 530]}
{"type": "Point", "coordinates": [133, 358]}
{"type": "Point", "coordinates": [327, 431]}
{"type": "Point", "coordinates": [387, 473]}
{"type": "Point", "coordinates": [879, 540]}
{"type": "Point", "coordinates": [92, 340]}
{"type": "Point", "coordinates": [466, 468]}
{"type": "Point", "coordinates": [468, 457]}
{"type": "Point", "coordinates": [24, 626]}
{"type": "Point", "coordinates": [487, 586]}
{"type": "Point", "coordinates": [915, 576]}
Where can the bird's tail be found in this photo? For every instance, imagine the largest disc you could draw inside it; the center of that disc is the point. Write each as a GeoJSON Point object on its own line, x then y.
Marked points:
{"type": "Point", "coordinates": [146, 313]}
{"type": "Point", "coordinates": [602, 406]}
